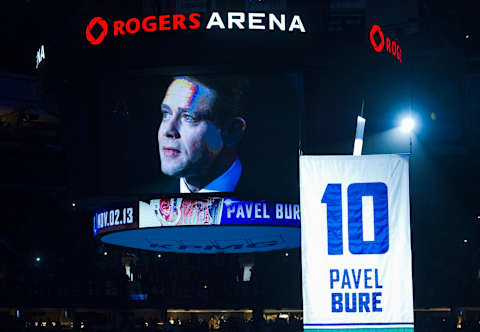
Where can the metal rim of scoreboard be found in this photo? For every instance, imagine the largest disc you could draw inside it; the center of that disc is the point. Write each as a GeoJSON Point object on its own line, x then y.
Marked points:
{"type": "Point", "coordinates": [200, 225]}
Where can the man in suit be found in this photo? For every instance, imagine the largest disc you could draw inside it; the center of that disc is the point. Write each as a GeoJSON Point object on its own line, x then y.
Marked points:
{"type": "Point", "coordinates": [201, 126]}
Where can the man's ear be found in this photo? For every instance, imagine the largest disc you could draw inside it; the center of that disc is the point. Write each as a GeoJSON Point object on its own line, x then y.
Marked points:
{"type": "Point", "coordinates": [233, 131]}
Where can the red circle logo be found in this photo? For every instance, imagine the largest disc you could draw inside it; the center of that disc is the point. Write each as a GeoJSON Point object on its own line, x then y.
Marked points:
{"type": "Point", "coordinates": [103, 24]}
{"type": "Point", "coordinates": [376, 47]}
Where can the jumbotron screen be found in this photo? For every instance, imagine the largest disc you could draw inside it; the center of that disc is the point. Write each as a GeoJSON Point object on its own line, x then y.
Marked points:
{"type": "Point", "coordinates": [192, 132]}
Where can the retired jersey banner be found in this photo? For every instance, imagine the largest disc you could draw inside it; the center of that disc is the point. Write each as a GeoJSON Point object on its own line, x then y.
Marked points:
{"type": "Point", "coordinates": [356, 254]}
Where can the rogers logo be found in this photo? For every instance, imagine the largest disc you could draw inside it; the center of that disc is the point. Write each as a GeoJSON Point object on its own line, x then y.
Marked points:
{"type": "Point", "coordinates": [103, 24]}
{"type": "Point", "coordinates": [233, 20]}
{"type": "Point", "coordinates": [390, 45]}
{"type": "Point", "coordinates": [148, 24]}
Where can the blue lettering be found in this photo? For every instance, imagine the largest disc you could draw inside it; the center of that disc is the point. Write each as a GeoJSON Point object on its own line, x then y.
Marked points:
{"type": "Point", "coordinates": [376, 301]}
{"type": "Point", "coordinates": [346, 279]}
{"type": "Point", "coordinates": [333, 198]}
{"type": "Point", "coordinates": [367, 277]}
{"type": "Point", "coordinates": [356, 244]}
{"type": "Point", "coordinates": [332, 279]}
{"type": "Point", "coordinates": [352, 308]}
{"type": "Point", "coordinates": [337, 305]}
{"type": "Point", "coordinates": [377, 285]}
{"type": "Point", "coordinates": [356, 302]}
{"type": "Point", "coordinates": [357, 279]}
{"type": "Point", "coordinates": [364, 299]}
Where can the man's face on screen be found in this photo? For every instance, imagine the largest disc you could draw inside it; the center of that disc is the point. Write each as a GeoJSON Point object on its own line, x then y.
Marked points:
{"type": "Point", "coordinates": [188, 140]}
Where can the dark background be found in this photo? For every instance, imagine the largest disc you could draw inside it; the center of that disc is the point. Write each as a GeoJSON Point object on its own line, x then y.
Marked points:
{"type": "Point", "coordinates": [50, 136]}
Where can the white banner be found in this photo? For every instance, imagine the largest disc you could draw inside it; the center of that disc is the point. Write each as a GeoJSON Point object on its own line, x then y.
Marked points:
{"type": "Point", "coordinates": [356, 255]}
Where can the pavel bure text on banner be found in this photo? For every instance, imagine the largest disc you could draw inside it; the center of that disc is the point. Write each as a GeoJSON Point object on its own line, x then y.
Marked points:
{"type": "Point", "coordinates": [356, 254]}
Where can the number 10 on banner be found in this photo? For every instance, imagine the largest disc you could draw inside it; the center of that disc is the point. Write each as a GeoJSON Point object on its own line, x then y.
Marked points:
{"type": "Point", "coordinates": [332, 197]}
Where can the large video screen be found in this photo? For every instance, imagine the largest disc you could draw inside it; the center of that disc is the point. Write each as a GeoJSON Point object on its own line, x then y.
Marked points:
{"type": "Point", "coordinates": [197, 133]}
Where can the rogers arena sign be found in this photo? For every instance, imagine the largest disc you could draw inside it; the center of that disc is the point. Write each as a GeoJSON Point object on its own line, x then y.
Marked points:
{"type": "Point", "coordinates": [385, 43]}
{"type": "Point", "coordinates": [98, 27]}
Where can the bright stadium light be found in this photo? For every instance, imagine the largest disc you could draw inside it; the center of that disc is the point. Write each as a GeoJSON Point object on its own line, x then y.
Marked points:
{"type": "Point", "coordinates": [407, 125]}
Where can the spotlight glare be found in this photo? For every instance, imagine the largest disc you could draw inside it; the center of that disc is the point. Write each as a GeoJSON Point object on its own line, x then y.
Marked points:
{"type": "Point", "coordinates": [407, 125]}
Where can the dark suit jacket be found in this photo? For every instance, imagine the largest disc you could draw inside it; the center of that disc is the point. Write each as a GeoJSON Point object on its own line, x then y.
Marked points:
{"type": "Point", "coordinates": [164, 185]}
